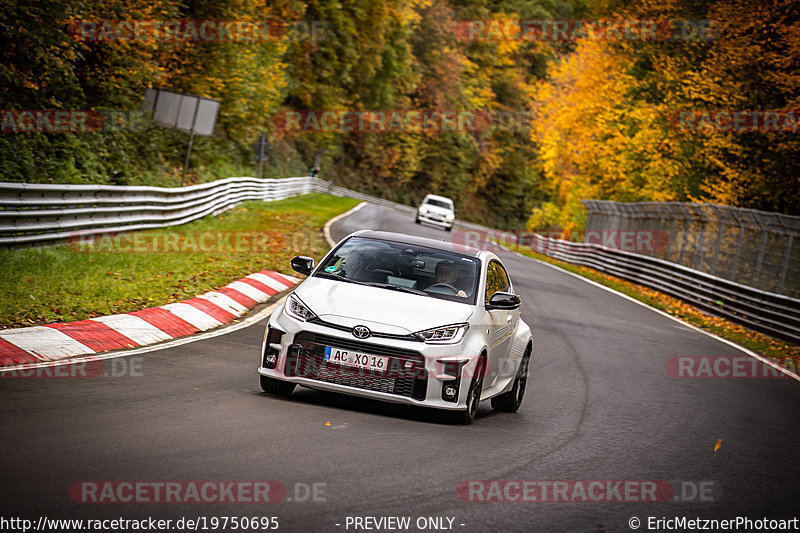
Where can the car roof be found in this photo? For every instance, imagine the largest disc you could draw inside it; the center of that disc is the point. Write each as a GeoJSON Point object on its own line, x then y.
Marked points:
{"type": "Point", "coordinates": [437, 197]}
{"type": "Point", "coordinates": [419, 241]}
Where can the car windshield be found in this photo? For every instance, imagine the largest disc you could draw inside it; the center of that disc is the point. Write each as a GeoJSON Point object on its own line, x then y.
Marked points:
{"type": "Point", "coordinates": [439, 203]}
{"type": "Point", "coordinates": [404, 267]}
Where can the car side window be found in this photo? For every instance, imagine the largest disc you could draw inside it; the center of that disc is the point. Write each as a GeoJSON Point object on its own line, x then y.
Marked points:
{"type": "Point", "coordinates": [496, 279]}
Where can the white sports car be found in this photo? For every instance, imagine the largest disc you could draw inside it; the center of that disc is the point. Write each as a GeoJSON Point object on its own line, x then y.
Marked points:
{"type": "Point", "coordinates": [437, 210]}
{"type": "Point", "coordinates": [402, 319]}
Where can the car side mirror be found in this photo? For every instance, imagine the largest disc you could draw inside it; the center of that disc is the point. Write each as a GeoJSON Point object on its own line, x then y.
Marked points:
{"type": "Point", "coordinates": [503, 300]}
{"type": "Point", "coordinates": [302, 264]}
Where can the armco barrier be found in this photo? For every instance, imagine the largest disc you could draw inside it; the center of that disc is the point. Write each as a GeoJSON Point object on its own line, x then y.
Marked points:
{"type": "Point", "coordinates": [773, 314]}
{"type": "Point", "coordinates": [39, 213]}
{"type": "Point", "coordinates": [754, 248]}
{"type": "Point", "coordinates": [35, 213]}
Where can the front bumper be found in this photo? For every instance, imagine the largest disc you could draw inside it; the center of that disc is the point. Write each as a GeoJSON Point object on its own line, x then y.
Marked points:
{"type": "Point", "coordinates": [435, 219]}
{"type": "Point", "coordinates": [416, 375]}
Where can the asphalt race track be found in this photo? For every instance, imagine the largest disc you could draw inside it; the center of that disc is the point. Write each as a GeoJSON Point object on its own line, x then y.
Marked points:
{"type": "Point", "coordinates": [600, 405]}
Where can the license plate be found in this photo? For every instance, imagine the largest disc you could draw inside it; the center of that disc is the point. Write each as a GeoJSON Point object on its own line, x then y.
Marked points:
{"type": "Point", "coordinates": [356, 359]}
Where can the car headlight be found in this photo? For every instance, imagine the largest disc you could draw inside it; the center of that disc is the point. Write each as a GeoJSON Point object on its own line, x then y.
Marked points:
{"type": "Point", "coordinates": [423, 210]}
{"type": "Point", "coordinates": [449, 216]}
{"type": "Point", "coordinates": [295, 308]}
{"type": "Point", "coordinates": [443, 335]}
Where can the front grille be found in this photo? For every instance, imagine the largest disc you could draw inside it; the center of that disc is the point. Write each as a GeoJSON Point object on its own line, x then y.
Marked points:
{"type": "Point", "coordinates": [357, 345]}
{"type": "Point", "coordinates": [408, 337]}
{"type": "Point", "coordinates": [406, 375]}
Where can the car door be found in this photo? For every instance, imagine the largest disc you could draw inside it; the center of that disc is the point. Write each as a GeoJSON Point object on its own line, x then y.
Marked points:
{"type": "Point", "coordinates": [501, 324]}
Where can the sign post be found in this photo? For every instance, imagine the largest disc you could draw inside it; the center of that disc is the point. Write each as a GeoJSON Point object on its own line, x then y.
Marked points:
{"type": "Point", "coordinates": [261, 149]}
{"type": "Point", "coordinates": [189, 149]}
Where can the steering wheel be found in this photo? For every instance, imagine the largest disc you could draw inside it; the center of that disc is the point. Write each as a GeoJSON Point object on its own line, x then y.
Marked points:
{"type": "Point", "coordinates": [444, 285]}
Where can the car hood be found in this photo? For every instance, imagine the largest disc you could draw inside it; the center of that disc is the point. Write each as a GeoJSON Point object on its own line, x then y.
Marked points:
{"type": "Point", "coordinates": [381, 310]}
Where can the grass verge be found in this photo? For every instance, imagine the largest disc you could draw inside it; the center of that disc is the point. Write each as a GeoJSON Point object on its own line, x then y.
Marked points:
{"type": "Point", "coordinates": [784, 353]}
{"type": "Point", "coordinates": [128, 272]}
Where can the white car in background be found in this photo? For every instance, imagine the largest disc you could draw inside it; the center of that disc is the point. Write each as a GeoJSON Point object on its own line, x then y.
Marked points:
{"type": "Point", "coordinates": [438, 210]}
{"type": "Point", "coordinates": [402, 319]}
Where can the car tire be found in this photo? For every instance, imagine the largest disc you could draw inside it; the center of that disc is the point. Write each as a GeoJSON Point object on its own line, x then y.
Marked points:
{"type": "Point", "coordinates": [275, 386]}
{"type": "Point", "coordinates": [510, 401]}
{"type": "Point", "coordinates": [417, 220]}
{"type": "Point", "coordinates": [467, 416]}
{"type": "Point", "coordinates": [449, 228]}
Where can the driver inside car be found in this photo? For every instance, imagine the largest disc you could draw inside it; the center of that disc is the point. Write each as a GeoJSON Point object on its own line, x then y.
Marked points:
{"type": "Point", "coordinates": [447, 273]}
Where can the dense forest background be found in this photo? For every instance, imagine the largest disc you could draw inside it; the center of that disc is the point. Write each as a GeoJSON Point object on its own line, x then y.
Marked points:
{"type": "Point", "coordinates": [600, 111]}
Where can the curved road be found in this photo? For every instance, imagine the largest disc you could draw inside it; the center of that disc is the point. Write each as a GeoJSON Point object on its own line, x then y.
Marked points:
{"type": "Point", "coordinates": [600, 405]}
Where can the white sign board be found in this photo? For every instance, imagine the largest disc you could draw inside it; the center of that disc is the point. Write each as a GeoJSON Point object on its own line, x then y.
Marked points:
{"type": "Point", "coordinates": [183, 112]}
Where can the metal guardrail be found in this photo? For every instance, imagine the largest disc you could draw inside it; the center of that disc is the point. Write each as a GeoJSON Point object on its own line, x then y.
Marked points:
{"type": "Point", "coordinates": [755, 248]}
{"type": "Point", "coordinates": [37, 214]}
{"type": "Point", "coordinates": [770, 313]}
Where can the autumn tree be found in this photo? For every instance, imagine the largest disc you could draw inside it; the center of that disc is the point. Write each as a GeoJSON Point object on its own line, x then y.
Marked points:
{"type": "Point", "coordinates": [607, 123]}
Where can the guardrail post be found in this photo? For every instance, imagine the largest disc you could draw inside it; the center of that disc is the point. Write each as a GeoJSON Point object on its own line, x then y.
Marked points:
{"type": "Point", "coordinates": [738, 252]}
{"type": "Point", "coordinates": [762, 247]}
{"type": "Point", "coordinates": [785, 266]}
{"type": "Point", "coordinates": [685, 233]}
{"type": "Point", "coordinates": [697, 254]}
{"type": "Point", "coordinates": [697, 260]}
{"type": "Point", "coordinates": [672, 233]}
{"type": "Point", "coordinates": [718, 241]}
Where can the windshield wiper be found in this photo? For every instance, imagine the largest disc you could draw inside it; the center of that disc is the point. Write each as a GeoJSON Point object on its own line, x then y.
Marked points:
{"type": "Point", "coordinates": [334, 276]}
